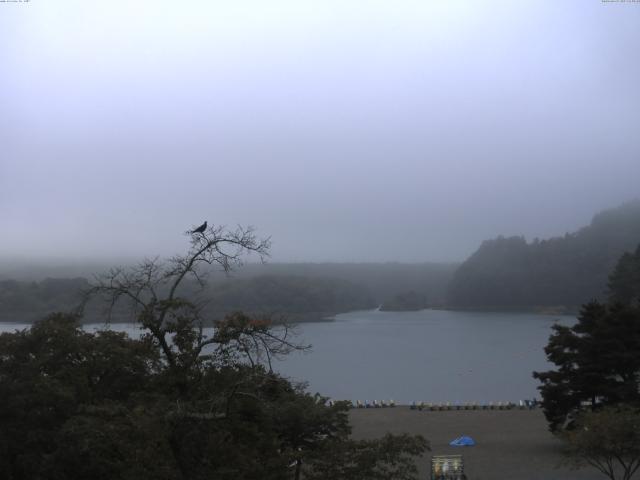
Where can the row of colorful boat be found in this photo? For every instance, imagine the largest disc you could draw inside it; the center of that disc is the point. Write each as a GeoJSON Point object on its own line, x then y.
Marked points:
{"type": "Point", "coordinates": [374, 404]}
{"type": "Point", "coordinates": [522, 405]}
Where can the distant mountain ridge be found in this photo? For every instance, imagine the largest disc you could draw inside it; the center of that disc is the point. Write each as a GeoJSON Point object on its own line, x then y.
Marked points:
{"type": "Point", "coordinates": [291, 288]}
{"type": "Point", "coordinates": [509, 272]}
{"type": "Point", "coordinates": [293, 297]}
{"type": "Point", "coordinates": [556, 274]}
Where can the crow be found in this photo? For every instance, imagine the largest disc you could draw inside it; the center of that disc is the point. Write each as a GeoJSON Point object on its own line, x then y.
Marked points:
{"type": "Point", "coordinates": [201, 228]}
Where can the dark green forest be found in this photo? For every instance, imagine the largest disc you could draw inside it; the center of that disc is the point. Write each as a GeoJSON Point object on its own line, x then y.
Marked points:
{"type": "Point", "coordinates": [564, 272]}
{"type": "Point", "coordinates": [301, 292]}
{"type": "Point", "coordinates": [297, 298]}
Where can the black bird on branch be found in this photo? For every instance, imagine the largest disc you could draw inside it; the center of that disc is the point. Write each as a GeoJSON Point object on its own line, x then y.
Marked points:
{"type": "Point", "coordinates": [201, 228]}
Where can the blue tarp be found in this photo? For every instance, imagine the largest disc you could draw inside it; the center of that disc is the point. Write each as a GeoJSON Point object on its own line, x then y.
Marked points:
{"type": "Point", "coordinates": [463, 442]}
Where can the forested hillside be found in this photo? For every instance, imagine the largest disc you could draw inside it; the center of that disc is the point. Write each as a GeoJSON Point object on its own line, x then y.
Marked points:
{"type": "Point", "coordinates": [562, 271]}
{"type": "Point", "coordinates": [300, 298]}
{"type": "Point", "coordinates": [385, 281]}
{"type": "Point", "coordinates": [302, 291]}
{"type": "Point", "coordinates": [296, 298]}
{"type": "Point", "coordinates": [29, 301]}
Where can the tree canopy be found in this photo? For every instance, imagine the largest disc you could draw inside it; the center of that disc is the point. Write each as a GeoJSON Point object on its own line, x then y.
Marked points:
{"type": "Point", "coordinates": [181, 402]}
{"type": "Point", "coordinates": [597, 359]}
{"type": "Point", "coordinates": [608, 440]}
{"type": "Point", "coordinates": [624, 282]}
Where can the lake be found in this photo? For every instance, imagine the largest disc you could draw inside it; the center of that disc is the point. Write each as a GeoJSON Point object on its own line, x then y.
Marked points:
{"type": "Point", "coordinates": [430, 355]}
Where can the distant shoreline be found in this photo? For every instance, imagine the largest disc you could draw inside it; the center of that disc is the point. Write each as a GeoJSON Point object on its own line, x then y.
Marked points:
{"type": "Point", "coordinates": [31, 318]}
{"type": "Point", "coordinates": [538, 309]}
{"type": "Point", "coordinates": [319, 317]}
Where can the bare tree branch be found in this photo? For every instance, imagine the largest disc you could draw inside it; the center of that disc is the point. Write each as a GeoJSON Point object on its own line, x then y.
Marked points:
{"type": "Point", "coordinates": [152, 290]}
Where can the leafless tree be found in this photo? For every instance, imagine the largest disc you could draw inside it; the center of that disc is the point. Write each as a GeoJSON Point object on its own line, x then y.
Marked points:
{"type": "Point", "coordinates": [152, 289]}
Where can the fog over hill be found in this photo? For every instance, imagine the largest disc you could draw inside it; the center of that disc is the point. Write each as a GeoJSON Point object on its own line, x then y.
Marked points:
{"type": "Point", "coordinates": [562, 271]}
{"type": "Point", "coordinates": [357, 133]}
{"type": "Point", "coordinates": [346, 131]}
{"type": "Point", "coordinates": [301, 292]}
{"type": "Point", "coordinates": [555, 274]}
{"type": "Point", "coordinates": [394, 160]}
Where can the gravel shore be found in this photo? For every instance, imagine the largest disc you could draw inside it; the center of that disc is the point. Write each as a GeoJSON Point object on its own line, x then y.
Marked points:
{"type": "Point", "coordinates": [510, 444]}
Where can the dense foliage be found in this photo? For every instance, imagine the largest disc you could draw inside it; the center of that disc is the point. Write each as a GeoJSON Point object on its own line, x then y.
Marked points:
{"type": "Point", "coordinates": [624, 282]}
{"type": "Point", "coordinates": [598, 362]}
{"type": "Point", "coordinates": [102, 406]}
{"type": "Point", "coordinates": [564, 271]}
{"type": "Point", "coordinates": [607, 439]}
{"type": "Point", "coordinates": [178, 403]}
{"type": "Point", "coordinates": [598, 358]}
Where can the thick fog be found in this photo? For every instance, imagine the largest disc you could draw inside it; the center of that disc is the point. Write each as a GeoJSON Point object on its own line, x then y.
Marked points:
{"type": "Point", "coordinates": [347, 131]}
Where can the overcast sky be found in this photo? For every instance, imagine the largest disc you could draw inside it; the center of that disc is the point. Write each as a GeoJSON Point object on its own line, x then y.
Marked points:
{"type": "Point", "coordinates": [346, 130]}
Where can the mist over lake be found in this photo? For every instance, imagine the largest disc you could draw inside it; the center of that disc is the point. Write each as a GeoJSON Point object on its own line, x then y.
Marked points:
{"type": "Point", "coordinates": [356, 201]}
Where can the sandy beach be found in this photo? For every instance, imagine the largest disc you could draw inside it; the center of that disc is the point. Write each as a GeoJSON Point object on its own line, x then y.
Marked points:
{"type": "Point", "coordinates": [510, 444]}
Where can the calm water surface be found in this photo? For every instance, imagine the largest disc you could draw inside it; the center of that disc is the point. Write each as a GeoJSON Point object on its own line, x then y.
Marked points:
{"type": "Point", "coordinates": [431, 355]}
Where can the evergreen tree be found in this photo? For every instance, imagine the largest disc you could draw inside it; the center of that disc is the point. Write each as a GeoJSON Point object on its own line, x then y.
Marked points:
{"type": "Point", "coordinates": [598, 362]}
{"type": "Point", "coordinates": [624, 282]}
